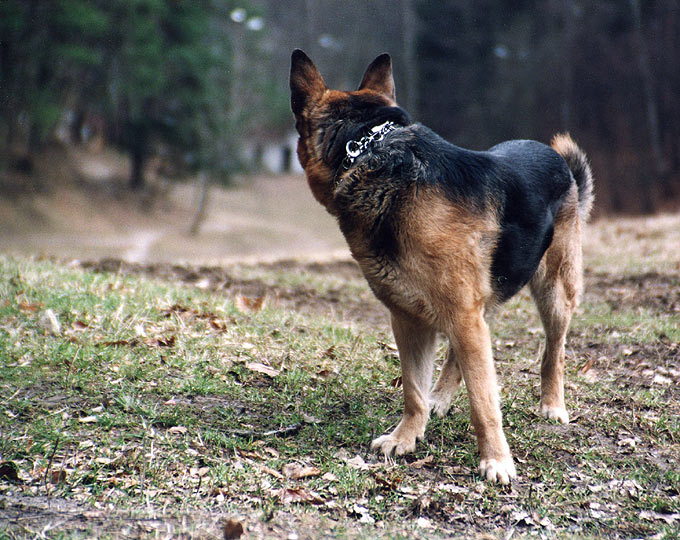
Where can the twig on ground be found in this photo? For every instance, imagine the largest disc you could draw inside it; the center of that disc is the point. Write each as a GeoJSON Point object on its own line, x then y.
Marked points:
{"type": "Point", "coordinates": [281, 432]}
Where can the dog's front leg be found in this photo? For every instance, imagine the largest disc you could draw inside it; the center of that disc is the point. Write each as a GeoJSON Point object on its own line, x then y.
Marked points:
{"type": "Point", "coordinates": [416, 343]}
{"type": "Point", "coordinates": [472, 343]}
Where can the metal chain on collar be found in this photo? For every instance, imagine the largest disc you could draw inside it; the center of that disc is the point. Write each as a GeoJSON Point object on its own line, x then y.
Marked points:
{"type": "Point", "coordinates": [355, 148]}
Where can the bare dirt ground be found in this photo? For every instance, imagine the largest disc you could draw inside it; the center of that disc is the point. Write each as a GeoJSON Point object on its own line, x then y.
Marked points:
{"type": "Point", "coordinates": [90, 215]}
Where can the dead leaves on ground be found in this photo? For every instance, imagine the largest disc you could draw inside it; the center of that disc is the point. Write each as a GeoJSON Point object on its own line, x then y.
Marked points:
{"type": "Point", "coordinates": [265, 369]}
{"type": "Point", "coordinates": [249, 304]}
{"type": "Point", "coordinates": [296, 471]}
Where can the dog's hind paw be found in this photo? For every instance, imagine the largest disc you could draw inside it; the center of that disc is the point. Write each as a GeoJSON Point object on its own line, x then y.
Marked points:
{"type": "Point", "coordinates": [389, 444]}
{"type": "Point", "coordinates": [502, 471]}
{"type": "Point", "coordinates": [555, 413]}
{"type": "Point", "coordinates": [440, 403]}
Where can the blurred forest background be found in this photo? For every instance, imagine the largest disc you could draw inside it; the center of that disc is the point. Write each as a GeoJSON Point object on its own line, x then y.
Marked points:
{"type": "Point", "coordinates": [202, 85]}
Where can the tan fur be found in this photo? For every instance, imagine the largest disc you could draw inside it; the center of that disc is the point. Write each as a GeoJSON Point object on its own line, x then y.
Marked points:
{"type": "Point", "coordinates": [443, 286]}
{"type": "Point", "coordinates": [440, 282]}
{"type": "Point", "coordinates": [578, 163]}
{"type": "Point", "coordinates": [556, 288]}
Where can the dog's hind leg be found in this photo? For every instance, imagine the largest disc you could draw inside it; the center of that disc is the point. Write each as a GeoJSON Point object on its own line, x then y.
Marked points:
{"type": "Point", "coordinates": [471, 341]}
{"type": "Point", "coordinates": [416, 343]}
{"type": "Point", "coordinates": [556, 287]}
{"type": "Point", "coordinates": [446, 386]}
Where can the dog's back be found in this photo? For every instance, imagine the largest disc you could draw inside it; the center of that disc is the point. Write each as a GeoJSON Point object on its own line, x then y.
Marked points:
{"type": "Point", "coordinates": [523, 183]}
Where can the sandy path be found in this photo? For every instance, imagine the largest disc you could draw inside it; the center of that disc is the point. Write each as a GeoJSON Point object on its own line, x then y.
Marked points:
{"type": "Point", "coordinates": [264, 218]}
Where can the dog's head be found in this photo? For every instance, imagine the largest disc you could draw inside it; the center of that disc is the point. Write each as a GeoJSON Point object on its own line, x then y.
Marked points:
{"type": "Point", "coordinates": [327, 119]}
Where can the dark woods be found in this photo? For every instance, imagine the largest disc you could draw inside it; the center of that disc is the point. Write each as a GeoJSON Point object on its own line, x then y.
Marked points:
{"type": "Point", "coordinates": [605, 71]}
{"type": "Point", "coordinates": [198, 83]}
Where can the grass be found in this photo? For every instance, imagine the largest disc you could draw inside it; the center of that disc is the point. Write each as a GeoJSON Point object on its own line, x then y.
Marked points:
{"type": "Point", "coordinates": [161, 406]}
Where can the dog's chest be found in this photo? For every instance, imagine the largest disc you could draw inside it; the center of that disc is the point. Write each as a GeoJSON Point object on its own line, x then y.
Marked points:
{"type": "Point", "coordinates": [392, 285]}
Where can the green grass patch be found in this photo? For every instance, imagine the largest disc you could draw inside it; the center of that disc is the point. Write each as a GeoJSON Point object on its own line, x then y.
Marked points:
{"type": "Point", "coordinates": [160, 395]}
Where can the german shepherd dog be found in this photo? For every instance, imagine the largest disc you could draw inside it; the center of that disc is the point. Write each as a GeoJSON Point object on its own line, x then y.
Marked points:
{"type": "Point", "coordinates": [443, 235]}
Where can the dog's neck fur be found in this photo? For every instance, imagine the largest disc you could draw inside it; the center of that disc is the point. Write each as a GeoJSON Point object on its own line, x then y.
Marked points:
{"type": "Point", "coordinates": [355, 149]}
{"type": "Point", "coordinates": [333, 139]}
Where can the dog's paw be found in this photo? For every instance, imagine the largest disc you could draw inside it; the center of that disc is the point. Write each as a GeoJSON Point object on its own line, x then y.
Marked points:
{"type": "Point", "coordinates": [391, 444]}
{"type": "Point", "coordinates": [440, 403]}
{"type": "Point", "coordinates": [555, 413]}
{"type": "Point", "coordinates": [502, 471]}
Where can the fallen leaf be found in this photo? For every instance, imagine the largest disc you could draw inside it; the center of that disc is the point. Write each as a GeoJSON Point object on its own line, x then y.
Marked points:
{"type": "Point", "coordinates": [27, 308]}
{"type": "Point", "coordinates": [295, 471]}
{"type": "Point", "coordinates": [660, 379]}
{"type": "Point", "coordinates": [298, 495]}
{"type": "Point", "coordinates": [357, 462]}
{"type": "Point", "coordinates": [329, 353]}
{"type": "Point", "coordinates": [325, 374]}
{"type": "Point", "coordinates": [586, 367]}
{"type": "Point", "coordinates": [271, 451]}
{"type": "Point", "coordinates": [161, 342]}
{"type": "Point", "coordinates": [88, 420]}
{"type": "Point", "coordinates": [629, 442]}
{"type": "Point", "coordinates": [232, 529]}
{"type": "Point", "coordinates": [452, 488]}
{"type": "Point", "coordinates": [217, 324]}
{"type": "Point", "coordinates": [329, 477]}
{"type": "Point", "coordinates": [652, 516]}
{"type": "Point", "coordinates": [249, 454]}
{"type": "Point", "coordinates": [249, 303]}
{"type": "Point", "coordinates": [388, 346]}
{"type": "Point", "coordinates": [522, 518]}
{"type": "Point", "coordinates": [263, 368]}
{"type": "Point", "coordinates": [182, 312]}
{"type": "Point", "coordinates": [119, 343]}
{"type": "Point", "coordinates": [423, 523]}
{"type": "Point", "coordinates": [419, 464]}
{"type": "Point", "coordinates": [272, 472]}
{"type": "Point", "coordinates": [178, 429]}
{"type": "Point", "coordinates": [362, 512]}
{"type": "Point", "coordinates": [309, 419]}
{"type": "Point", "coordinates": [58, 476]}
{"type": "Point", "coordinates": [545, 522]}
{"type": "Point", "coordinates": [390, 484]}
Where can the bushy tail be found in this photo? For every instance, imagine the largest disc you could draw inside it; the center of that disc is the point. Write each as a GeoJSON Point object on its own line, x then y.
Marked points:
{"type": "Point", "coordinates": [577, 161]}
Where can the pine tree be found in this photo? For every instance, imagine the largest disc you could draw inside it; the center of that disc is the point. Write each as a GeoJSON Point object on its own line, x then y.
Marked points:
{"type": "Point", "coordinates": [160, 78]}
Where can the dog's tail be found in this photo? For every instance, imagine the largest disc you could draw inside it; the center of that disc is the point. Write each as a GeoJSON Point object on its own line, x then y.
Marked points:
{"type": "Point", "coordinates": [577, 161]}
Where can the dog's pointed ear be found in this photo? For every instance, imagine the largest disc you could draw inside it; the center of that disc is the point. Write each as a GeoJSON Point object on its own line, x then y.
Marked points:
{"type": "Point", "coordinates": [306, 83]}
{"type": "Point", "coordinates": [378, 77]}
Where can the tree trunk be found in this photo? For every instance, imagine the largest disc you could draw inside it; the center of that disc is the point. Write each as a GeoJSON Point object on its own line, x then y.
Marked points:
{"type": "Point", "coordinates": [199, 217]}
{"type": "Point", "coordinates": [410, 28]}
{"type": "Point", "coordinates": [569, 14]}
{"type": "Point", "coordinates": [138, 158]}
{"type": "Point", "coordinates": [648, 92]}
